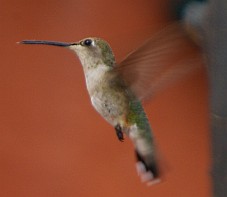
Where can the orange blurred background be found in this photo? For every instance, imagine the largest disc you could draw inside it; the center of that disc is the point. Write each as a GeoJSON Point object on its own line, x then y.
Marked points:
{"type": "Point", "coordinates": [53, 143]}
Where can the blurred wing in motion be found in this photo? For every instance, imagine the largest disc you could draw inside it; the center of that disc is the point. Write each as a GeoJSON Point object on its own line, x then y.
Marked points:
{"type": "Point", "coordinates": [165, 58]}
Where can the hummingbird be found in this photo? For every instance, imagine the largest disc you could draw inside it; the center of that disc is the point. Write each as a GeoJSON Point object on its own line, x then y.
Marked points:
{"type": "Point", "coordinates": [117, 90]}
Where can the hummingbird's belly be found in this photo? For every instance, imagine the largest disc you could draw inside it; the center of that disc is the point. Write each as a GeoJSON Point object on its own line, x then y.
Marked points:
{"type": "Point", "coordinates": [113, 106]}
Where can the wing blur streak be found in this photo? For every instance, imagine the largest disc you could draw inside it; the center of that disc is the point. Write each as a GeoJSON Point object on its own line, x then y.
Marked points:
{"type": "Point", "coordinates": [165, 58]}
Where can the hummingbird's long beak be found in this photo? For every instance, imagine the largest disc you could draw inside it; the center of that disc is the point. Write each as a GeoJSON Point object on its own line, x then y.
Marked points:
{"type": "Point", "coordinates": [45, 42]}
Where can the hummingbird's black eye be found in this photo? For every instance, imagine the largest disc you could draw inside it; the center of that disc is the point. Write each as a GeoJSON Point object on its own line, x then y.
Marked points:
{"type": "Point", "coordinates": [87, 42]}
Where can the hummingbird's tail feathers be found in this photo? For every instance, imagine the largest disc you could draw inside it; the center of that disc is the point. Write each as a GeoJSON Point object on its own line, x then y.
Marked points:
{"type": "Point", "coordinates": [148, 172]}
{"type": "Point", "coordinates": [142, 139]}
{"type": "Point", "coordinates": [166, 57]}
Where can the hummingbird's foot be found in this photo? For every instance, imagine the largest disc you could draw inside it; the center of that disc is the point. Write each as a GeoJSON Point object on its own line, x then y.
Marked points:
{"type": "Point", "coordinates": [119, 132]}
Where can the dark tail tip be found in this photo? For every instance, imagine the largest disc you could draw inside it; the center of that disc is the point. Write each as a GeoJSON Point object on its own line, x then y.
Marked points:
{"type": "Point", "coordinates": [149, 167]}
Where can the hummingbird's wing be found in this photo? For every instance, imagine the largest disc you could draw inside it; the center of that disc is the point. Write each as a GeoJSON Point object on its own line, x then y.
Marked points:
{"type": "Point", "coordinates": [163, 59]}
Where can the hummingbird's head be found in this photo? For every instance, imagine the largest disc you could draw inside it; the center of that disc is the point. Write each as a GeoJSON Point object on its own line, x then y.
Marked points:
{"type": "Point", "coordinates": [93, 52]}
